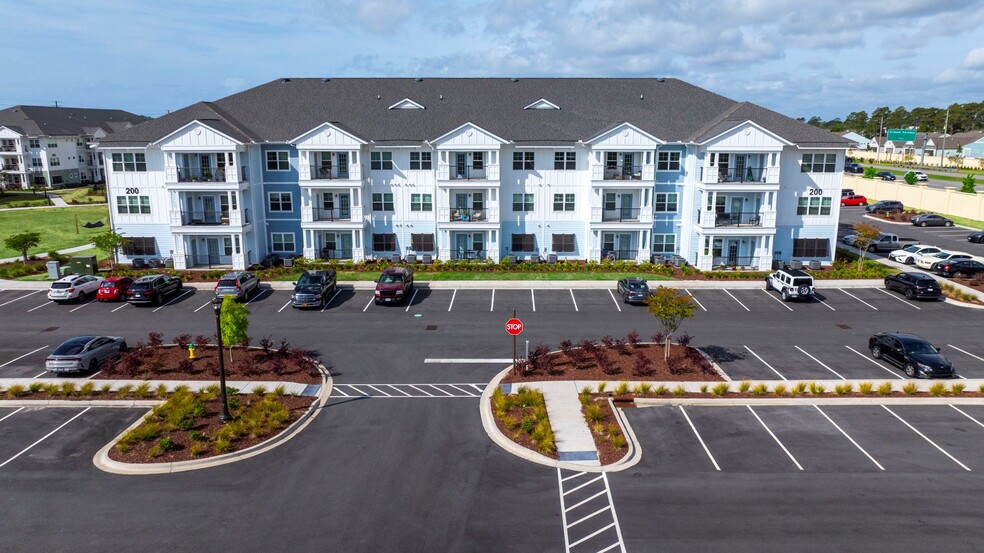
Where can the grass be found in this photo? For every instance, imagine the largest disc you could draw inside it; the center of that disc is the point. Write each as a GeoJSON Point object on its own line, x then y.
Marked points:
{"type": "Point", "coordinates": [22, 199]}
{"type": "Point", "coordinates": [57, 227]}
{"type": "Point", "coordinates": [83, 195]}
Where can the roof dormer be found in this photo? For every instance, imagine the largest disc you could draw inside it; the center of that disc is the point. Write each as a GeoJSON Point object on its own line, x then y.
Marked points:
{"type": "Point", "coordinates": [406, 103]}
{"type": "Point", "coordinates": [542, 103]}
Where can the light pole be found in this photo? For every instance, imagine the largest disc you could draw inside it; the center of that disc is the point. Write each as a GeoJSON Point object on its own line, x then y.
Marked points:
{"type": "Point", "coordinates": [224, 416]}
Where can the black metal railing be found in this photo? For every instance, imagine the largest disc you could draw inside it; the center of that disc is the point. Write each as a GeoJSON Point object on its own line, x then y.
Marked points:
{"type": "Point", "coordinates": [467, 214]}
{"type": "Point", "coordinates": [8, 148]}
{"type": "Point", "coordinates": [333, 214]}
{"type": "Point", "coordinates": [619, 255]}
{"type": "Point", "coordinates": [197, 174]}
{"type": "Point", "coordinates": [11, 167]}
{"type": "Point", "coordinates": [334, 253]}
{"type": "Point", "coordinates": [328, 172]}
{"type": "Point", "coordinates": [735, 262]}
{"type": "Point", "coordinates": [620, 214]}
{"type": "Point", "coordinates": [207, 260]}
{"type": "Point", "coordinates": [467, 172]}
{"type": "Point", "coordinates": [213, 217]}
{"type": "Point", "coordinates": [469, 254]}
{"type": "Point", "coordinates": [623, 172]}
{"type": "Point", "coordinates": [734, 174]}
{"type": "Point", "coordinates": [738, 219]}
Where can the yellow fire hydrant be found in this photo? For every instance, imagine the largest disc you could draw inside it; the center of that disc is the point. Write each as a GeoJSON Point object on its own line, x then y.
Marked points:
{"type": "Point", "coordinates": [191, 351]}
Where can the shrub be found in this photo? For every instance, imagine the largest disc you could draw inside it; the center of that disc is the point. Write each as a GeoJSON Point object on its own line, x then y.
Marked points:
{"type": "Point", "coordinates": [601, 387]}
{"type": "Point", "coordinates": [843, 389]}
{"type": "Point", "coordinates": [16, 390]}
{"type": "Point", "coordinates": [779, 389]}
{"type": "Point", "coordinates": [201, 341]}
{"type": "Point", "coordinates": [594, 413]}
{"type": "Point", "coordinates": [720, 389]}
{"type": "Point", "coordinates": [161, 390]}
{"type": "Point", "coordinates": [607, 340]}
{"type": "Point", "coordinates": [166, 444]}
{"type": "Point", "coordinates": [261, 390]}
{"type": "Point", "coordinates": [622, 347]}
{"type": "Point", "coordinates": [182, 340]}
{"type": "Point", "coordinates": [142, 391]}
{"type": "Point", "coordinates": [52, 389]}
{"type": "Point", "coordinates": [618, 441]}
{"type": "Point", "coordinates": [280, 390]}
{"type": "Point", "coordinates": [759, 389]}
{"type": "Point", "coordinates": [937, 389]}
{"type": "Point", "coordinates": [885, 388]}
{"type": "Point", "coordinates": [125, 390]}
{"type": "Point", "coordinates": [155, 339]}
{"type": "Point", "coordinates": [35, 387]}
{"type": "Point", "coordinates": [642, 365]}
{"type": "Point", "coordinates": [566, 346]}
{"type": "Point", "coordinates": [703, 388]}
{"type": "Point", "coordinates": [87, 388]}
{"type": "Point", "coordinates": [661, 390]}
{"type": "Point", "coordinates": [622, 388]}
{"type": "Point", "coordinates": [606, 365]}
{"type": "Point", "coordinates": [680, 390]}
{"type": "Point", "coordinates": [659, 337]}
{"type": "Point", "coordinates": [743, 386]}
{"type": "Point", "coordinates": [798, 389]}
{"type": "Point", "coordinates": [910, 388]}
{"type": "Point", "coordinates": [68, 388]}
{"type": "Point", "coordinates": [684, 340]}
{"type": "Point", "coordinates": [644, 388]}
{"type": "Point", "coordinates": [817, 389]}
{"type": "Point", "coordinates": [197, 449]}
{"type": "Point", "coordinates": [957, 388]}
{"type": "Point", "coordinates": [284, 348]}
{"type": "Point", "coordinates": [865, 388]}
{"type": "Point", "coordinates": [222, 445]}
{"type": "Point", "coordinates": [632, 338]}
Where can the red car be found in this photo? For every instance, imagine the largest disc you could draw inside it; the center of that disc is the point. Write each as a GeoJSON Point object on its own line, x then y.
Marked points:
{"type": "Point", "coordinates": [114, 289]}
{"type": "Point", "coordinates": [854, 199]}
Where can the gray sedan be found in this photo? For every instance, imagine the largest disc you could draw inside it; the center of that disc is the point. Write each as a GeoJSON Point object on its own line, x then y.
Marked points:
{"type": "Point", "coordinates": [84, 353]}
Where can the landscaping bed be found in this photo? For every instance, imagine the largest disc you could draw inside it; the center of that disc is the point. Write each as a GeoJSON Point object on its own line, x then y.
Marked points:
{"type": "Point", "coordinates": [622, 393]}
{"type": "Point", "coordinates": [605, 429]}
{"type": "Point", "coordinates": [522, 417]}
{"type": "Point", "coordinates": [954, 293]}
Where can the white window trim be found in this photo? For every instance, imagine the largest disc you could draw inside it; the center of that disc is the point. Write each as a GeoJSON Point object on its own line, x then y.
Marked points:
{"type": "Point", "coordinates": [280, 194]}
{"type": "Point", "coordinates": [669, 162]}
{"type": "Point", "coordinates": [667, 201]}
{"type": "Point", "coordinates": [273, 241]}
{"type": "Point", "coordinates": [266, 161]}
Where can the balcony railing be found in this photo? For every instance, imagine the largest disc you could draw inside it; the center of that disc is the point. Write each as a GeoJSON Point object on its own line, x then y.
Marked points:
{"type": "Point", "coordinates": [469, 254]}
{"type": "Point", "coordinates": [197, 174]}
{"type": "Point", "coordinates": [623, 172]}
{"type": "Point", "coordinates": [335, 214]}
{"type": "Point", "coordinates": [8, 148]}
{"type": "Point", "coordinates": [737, 262]}
{"type": "Point", "coordinates": [467, 214]}
{"type": "Point", "coordinates": [621, 214]}
{"type": "Point", "coordinates": [712, 175]}
{"type": "Point", "coordinates": [327, 172]}
{"type": "Point", "coordinates": [11, 167]}
{"type": "Point", "coordinates": [619, 255]}
{"type": "Point", "coordinates": [213, 217]}
{"type": "Point", "coordinates": [467, 172]}
{"type": "Point", "coordinates": [208, 260]}
{"type": "Point", "coordinates": [736, 219]}
{"type": "Point", "coordinates": [334, 253]}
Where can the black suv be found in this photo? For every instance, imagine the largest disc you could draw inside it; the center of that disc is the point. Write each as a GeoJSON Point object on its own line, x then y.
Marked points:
{"type": "Point", "coordinates": [394, 285]}
{"type": "Point", "coordinates": [853, 168]}
{"type": "Point", "coordinates": [792, 284]}
{"type": "Point", "coordinates": [152, 289]}
{"type": "Point", "coordinates": [314, 289]}
{"type": "Point", "coordinates": [885, 206]}
{"type": "Point", "coordinates": [914, 354]}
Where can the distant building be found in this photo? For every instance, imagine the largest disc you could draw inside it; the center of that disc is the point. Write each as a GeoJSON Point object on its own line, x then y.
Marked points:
{"type": "Point", "coordinates": [971, 144]}
{"type": "Point", "coordinates": [858, 142]}
{"type": "Point", "coordinates": [50, 146]}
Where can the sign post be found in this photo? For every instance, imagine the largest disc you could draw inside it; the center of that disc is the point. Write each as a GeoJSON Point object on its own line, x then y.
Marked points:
{"type": "Point", "coordinates": [514, 327]}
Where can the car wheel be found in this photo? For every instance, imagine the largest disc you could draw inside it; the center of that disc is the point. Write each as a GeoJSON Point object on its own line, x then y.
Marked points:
{"type": "Point", "coordinates": [909, 261]}
{"type": "Point", "coordinates": [876, 352]}
{"type": "Point", "coordinates": [843, 204]}
{"type": "Point", "coordinates": [157, 299]}
{"type": "Point", "coordinates": [910, 370]}
{"type": "Point", "coordinates": [863, 204]}
{"type": "Point", "coordinates": [93, 366]}
{"type": "Point", "coordinates": [768, 284]}
{"type": "Point", "coordinates": [948, 223]}
{"type": "Point", "coordinates": [922, 224]}
{"type": "Point", "coordinates": [785, 295]}
{"type": "Point", "coordinates": [888, 285]}
{"type": "Point", "coordinates": [871, 248]}
{"type": "Point", "coordinates": [908, 294]}
{"type": "Point", "coordinates": [376, 302]}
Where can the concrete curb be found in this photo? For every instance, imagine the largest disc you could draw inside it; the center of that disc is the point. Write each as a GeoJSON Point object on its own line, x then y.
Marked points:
{"type": "Point", "coordinates": [631, 457]}
{"type": "Point", "coordinates": [820, 401]}
{"type": "Point", "coordinates": [102, 461]}
{"type": "Point", "coordinates": [111, 403]}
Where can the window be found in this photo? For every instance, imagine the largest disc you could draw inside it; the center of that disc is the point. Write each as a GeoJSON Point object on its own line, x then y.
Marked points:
{"type": "Point", "coordinates": [129, 162]}
{"type": "Point", "coordinates": [383, 201]}
{"type": "Point", "coordinates": [36, 162]}
{"type": "Point", "coordinates": [34, 143]}
{"type": "Point", "coordinates": [813, 205]}
{"type": "Point", "coordinates": [563, 202]}
{"type": "Point", "coordinates": [664, 243]}
{"type": "Point", "coordinates": [523, 243]}
{"type": "Point", "coordinates": [384, 242]}
{"type": "Point", "coordinates": [278, 160]}
{"type": "Point", "coordinates": [565, 161]}
{"type": "Point", "coordinates": [281, 201]}
{"type": "Point", "coordinates": [381, 161]}
{"type": "Point", "coordinates": [133, 205]}
{"type": "Point", "coordinates": [282, 241]}
{"type": "Point", "coordinates": [665, 202]}
{"type": "Point", "coordinates": [668, 161]}
{"type": "Point", "coordinates": [52, 143]}
{"type": "Point", "coordinates": [523, 161]}
{"type": "Point", "coordinates": [421, 202]}
{"type": "Point", "coordinates": [420, 160]}
{"type": "Point", "coordinates": [137, 246]}
{"type": "Point", "coordinates": [57, 179]}
{"type": "Point", "coordinates": [422, 242]}
{"type": "Point", "coordinates": [811, 247]}
{"type": "Point", "coordinates": [478, 160]}
{"type": "Point", "coordinates": [562, 243]}
{"type": "Point", "coordinates": [818, 163]}
{"type": "Point", "coordinates": [522, 202]}
{"type": "Point", "coordinates": [53, 161]}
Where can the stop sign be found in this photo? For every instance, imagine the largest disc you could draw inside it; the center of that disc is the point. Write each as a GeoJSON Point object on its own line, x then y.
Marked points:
{"type": "Point", "coordinates": [514, 326]}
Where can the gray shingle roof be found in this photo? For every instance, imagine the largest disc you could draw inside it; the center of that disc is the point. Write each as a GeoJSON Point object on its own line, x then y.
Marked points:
{"type": "Point", "coordinates": [282, 110]}
{"type": "Point", "coordinates": [65, 121]}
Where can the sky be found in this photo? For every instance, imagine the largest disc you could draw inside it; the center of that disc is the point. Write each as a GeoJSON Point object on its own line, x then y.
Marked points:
{"type": "Point", "coordinates": [825, 58]}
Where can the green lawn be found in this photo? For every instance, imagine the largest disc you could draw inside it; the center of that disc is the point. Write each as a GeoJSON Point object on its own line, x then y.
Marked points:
{"type": "Point", "coordinates": [57, 227]}
{"type": "Point", "coordinates": [21, 199]}
{"type": "Point", "coordinates": [83, 195]}
{"type": "Point", "coordinates": [350, 276]}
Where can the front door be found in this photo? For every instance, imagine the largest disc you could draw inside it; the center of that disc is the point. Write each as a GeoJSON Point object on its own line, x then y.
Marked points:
{"type": "Point", "coordinates": [344, 207]}
{"type": "Point", "coordinates": [740, 168]}
{"type": "Point", "coordinates": [626, 205]}
{"type": "Point", "coordinates": [737, 204]}
{"type": "Point", "coordinates": [344, 244]}
{"type": "Point", "coordinates": [462, 244]}
{"type": "Point", "coordinates": [342, 165]}
{"type": "Point", "coordinates": [206, 168]}
{"type": "Point", "coordinates": [461, 165]}
{"type": "Point", "coordinates": [478, 245]}
{"type": "Point", "coordinates": [208, 206]}
{"type": "Point", "coordinates": [724, 164]}
{"type": "Point", "coordinates": [624, 242]}
{"type": "Point", "coordinates": [732, 252]}
{"type": "Point", "coordinates": [627, 162]}
{"type": "Point", "coordinates": [212, 245]}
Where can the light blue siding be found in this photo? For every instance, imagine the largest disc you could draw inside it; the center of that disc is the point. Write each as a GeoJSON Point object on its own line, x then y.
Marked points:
{"type": "Point", "coordinates": [290, 175]}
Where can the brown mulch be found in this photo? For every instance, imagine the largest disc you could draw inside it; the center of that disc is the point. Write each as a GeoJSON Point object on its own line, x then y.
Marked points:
{"type": "Point", "coordinates": [208, 424]}
{"type": "Point", "coordinates": [607, 453]}
{"type": "Point", "coordinates": [685, 364]}
{"type": "Point", "coordinates": [172, 363]}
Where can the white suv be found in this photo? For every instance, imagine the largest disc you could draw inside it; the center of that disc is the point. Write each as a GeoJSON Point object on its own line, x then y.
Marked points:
{"type": "Point", "coordinates": [792, 284]}
{"type": "Point", "coordinates": [74, 287]}
{"type": "Point", "coordinates": [908, 254]}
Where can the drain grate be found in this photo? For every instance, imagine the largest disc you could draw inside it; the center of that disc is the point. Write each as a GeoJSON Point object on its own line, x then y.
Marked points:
{"type": "Point", "coordinates": [844, 326]}
{"type": "Point", "coordinates": [431, 327]}
{"type": "Point", "coordinates": [51, 329]}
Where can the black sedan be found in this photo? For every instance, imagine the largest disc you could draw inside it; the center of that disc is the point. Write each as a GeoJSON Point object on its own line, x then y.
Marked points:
{"type": "Point", "coordinates": [976, 236]}
{"type": "Point", "coordinates": [966, 267]}
{"type": "Point", "coordinates": [885, 175]}
{"type": "Point", "coordinates": [914, 285]}
{"type": "Point", "coordinates": [633, 290]}
{"type": "Point", "coordinates": [917, 357]}
{"type": "Point", "coordinates": [930, 220]}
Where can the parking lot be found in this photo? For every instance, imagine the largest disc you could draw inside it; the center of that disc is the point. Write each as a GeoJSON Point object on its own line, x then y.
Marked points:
{"type": "Point", "coordinates": [951, 239]}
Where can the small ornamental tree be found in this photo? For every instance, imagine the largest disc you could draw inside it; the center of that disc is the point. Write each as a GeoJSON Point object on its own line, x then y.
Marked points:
{"type": "Point", "coordinates": [865, 234]}
{"type": "Point", "coordinates": [870, 172]}
{"type": "Point", "coordinates": [22, 242]}
{"type": "Point", "coordinates": [234, 321]}
{"type": "Point", "coordinates": [910, 178]}
{"type": "Point", "coordinates": [109, 243]}
{"type": "Point", "coordinates": [968, 184]}
{"type": "Point", "coordinates": [670, 307]}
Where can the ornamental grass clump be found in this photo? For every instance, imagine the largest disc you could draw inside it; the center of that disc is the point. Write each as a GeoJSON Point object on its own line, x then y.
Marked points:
{"type": "Point", "coordinates": [865, 388]}
{"type": "Point", "coordinates": [644, 388]}
{"type": "Point", "coordinates": [817, 389]}
{"type": "Point", "coordinates": [759, 389]}
{"type": "Point", "coordinates": [937, 389]}
{"type": "Point", "coordinates": [843, 389]}
{"type": "Point", "coordinates": [957, 388]}
{"type": "Point", "coordinates": [744, 386]}
{"type": "Point", "coordinates": [36, 387]}
{"type": "Point", "coordinates": [779, 389]}
{"type": "Point", "coordinates": [68, 388]}
{"type": "Point", "coordinates": [679, 390]}
{"type": "Point", "coordinates": [910, 388]}
{"type": "Point", "coordinates": [16, 390]}
{"type": "Point", "coordinates": [885, 389]}
{"type": "Point", "coordinates": [622, 388]}
{"type": "Point", "coordinates": [721, 389]}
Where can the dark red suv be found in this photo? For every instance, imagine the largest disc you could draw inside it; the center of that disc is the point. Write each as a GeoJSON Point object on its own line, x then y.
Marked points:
{"type": "Point", "coordinates": [394, 286]}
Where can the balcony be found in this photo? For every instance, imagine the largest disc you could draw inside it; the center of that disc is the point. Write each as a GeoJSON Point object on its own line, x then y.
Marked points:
{"type": "Point", "coordinates": [623, 172]}
{"type": "Point", "coordinates": [734, 263]}
{"type": "Point", "coordinates": [8, 148]}
{"type": "Point", "coordinates": [737, 219]}
{"type": "Point", "coordinates": [328, 254]}
{"type": "Point", "coordinates": [210, 218]}
{"type": "Point", "coordinates": [328, 172]}
{"type": "Point", "coordinates": [723, 175]}
{"type": "Point", "coordinates": [190, 175]}
{"type": "Point", "coordinates": [621, 215]}
{"type": "Point", "coordinates": [469, 172]}
{"type": "Point", "coordinates": [11, 167]}
{"type": "Point", "coordinates": [466, 215]}
{"type": "Point", "coordinates": [196, 174]}
{"type": "Point", "coordinates": [342, 214]}
{"type": "Point", "coordinates": [480, 255]}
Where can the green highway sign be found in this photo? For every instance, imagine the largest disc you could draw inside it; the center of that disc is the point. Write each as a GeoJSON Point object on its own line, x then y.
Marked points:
{"type": "Point", "coordinates": [901, 135]}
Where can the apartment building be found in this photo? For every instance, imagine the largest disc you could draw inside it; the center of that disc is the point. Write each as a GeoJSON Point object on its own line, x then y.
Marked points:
{"type": "Point", "coordinates": [476, 169]}
{"type": "Point", "coordinates": [52, 146]}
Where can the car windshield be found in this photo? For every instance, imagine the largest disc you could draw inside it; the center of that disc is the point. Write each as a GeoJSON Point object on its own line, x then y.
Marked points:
{"type": "Point", "coordinates": [227, 283]}
{"type": "Point", "coordinates": [635, 286]}
{"type": "Point", "coordinates": [919, 347]}
{"type": "Point", "coordinates": [911, 249]}
{"type": "Point", "coordinates": [943, 255]}
{"type": "Point", "coordinates": [391, 279]}
{"type": "Point", "coordinates": [71, 347]}
{"type": "Point", "coordinates": [309, 280]}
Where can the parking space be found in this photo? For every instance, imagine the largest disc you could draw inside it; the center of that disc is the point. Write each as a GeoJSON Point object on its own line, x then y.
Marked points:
{"type": "Point", "coordinates": [812, 439]}
{"type": "Point", "coordinates": [804, 362]}
{"type": "Point", "coordinates": [17, 361]}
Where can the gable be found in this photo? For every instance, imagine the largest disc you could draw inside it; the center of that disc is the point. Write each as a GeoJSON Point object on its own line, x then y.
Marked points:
{"type": "Point", "coordinates": [469, 135]}
{"type": "Point", "coordinates": [9, 133]}
{"type": "Point", "coordinates": [406, 103]}
{"type": "Point", "coordinates": [747, 137]}
{"type": "Point", "coordinates": [327, 135]}
{"type": "Point", "coordinates": [542, 103]}
{"type": "Point", "coordinates": [624, 136]}
{"type": "Point", "coordinates": [197, 135]}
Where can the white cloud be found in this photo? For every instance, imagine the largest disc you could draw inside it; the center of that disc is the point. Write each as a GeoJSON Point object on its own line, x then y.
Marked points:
{"type": "Point", "coordinates": [974, 59]}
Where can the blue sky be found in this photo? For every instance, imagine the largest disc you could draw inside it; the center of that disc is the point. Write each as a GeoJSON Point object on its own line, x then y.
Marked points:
{"type": "Point", "coordinates": [800, 59]}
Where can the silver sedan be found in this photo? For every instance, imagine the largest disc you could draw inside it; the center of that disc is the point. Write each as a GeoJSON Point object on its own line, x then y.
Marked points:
{"type": "Point", "coordinates": [84, 353]}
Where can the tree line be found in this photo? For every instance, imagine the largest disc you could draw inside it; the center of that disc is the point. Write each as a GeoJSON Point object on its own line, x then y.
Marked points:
{"type": "Point", "coordinates": [963, 117]}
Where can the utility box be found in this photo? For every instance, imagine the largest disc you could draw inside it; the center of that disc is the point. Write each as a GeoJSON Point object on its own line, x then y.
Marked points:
{"type": "Point", "coordinates": [53, 269]}
{"type": "Point", "coordinates": [84, 264]}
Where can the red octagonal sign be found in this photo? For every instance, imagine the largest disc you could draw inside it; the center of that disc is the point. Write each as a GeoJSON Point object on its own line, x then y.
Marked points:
{"type": "Point", "coordinates": [514, 326]}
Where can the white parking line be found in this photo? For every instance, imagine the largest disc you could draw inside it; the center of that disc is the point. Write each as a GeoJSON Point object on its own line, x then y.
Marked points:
{"type": "Point", "coordinates": [859, 299]}
{"type": "Point", "coordinates": [284, 306]}
{"type": "Point", "coordinates": [39, 375]}
{"type": "Point", "coordinates": [176, 298]}
{"type": "Point", "coordinates": [876, 363]}
{"type": "Point", "coordinates": [825, 304]}
{"type": "Point", "coordinates": [774, 437]}
{"type": "Point", "coordinates": [695, 300]}
{"type": "Point", "coordinates": [339, 390]}
{"type": "Point", "coordinates": [40, 306]}
{"type": "Point", "coordinates": [208, 303]}
{"type": "Point", "coordinates": [73, 310]}
{"type": "Point", "coordinates": [367, 305]}
{"type": "Point", "coordinates": [965, 352]}
{"type": "Point", "coordinates": [893, 296]}
{"type": "Point", "coordinates": [397, 389]}
{"type": "Point", "coordinates": [419, 390]}
{"type": "Point", "coordinates": [20, 298]}
{"type": "Point", "coordinates": [413, 297]}
{"type": "Point", "coordinates": [803, 351]}
{"type": "Point", "coordinates": [327, 303]}
{"type": "Point", "coordinates": [831, 421]}
{"type": "Point", "coordinates": [977, 422]}
{"type": "Point", "coordinates": [18, 410]}
{"type": "Point", "coordinates": [22, 356]}
{"type": "Point", "coordinates": [258, 295]}
{"type": "Point", "coordinates": [120, 307]}
{"type": "Point", "coordinates": [736, 299]}
{"type": "Point", "coordinates": [492, 305]}
{"type": "Point", "coordinates": [614, 300]}
{"type": "Point", "coordinates": [923, 436]}
{"type": "Point", "coordinates": [782, 303]}
{"type": "Point", "coordinates": [699, 439]}
{"type": "Point", "coordinates": [453, 294]}
{"type": "Point", "coordinates": [764, 363]}
{"type": "Point", "coordinates": [378, 390]}
{"type": "Point", "coordinates": [533, 300]}
{"type": "Point", "coordinates": [572, 298]}
{"type": "Point", "coordinates": [466, 360]}
{"type": "Point", "coordinates": [26, 449]}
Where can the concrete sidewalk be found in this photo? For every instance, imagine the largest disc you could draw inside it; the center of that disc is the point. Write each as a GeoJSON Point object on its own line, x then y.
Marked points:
{"type": "Point", "coordinates": [243, 386]}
